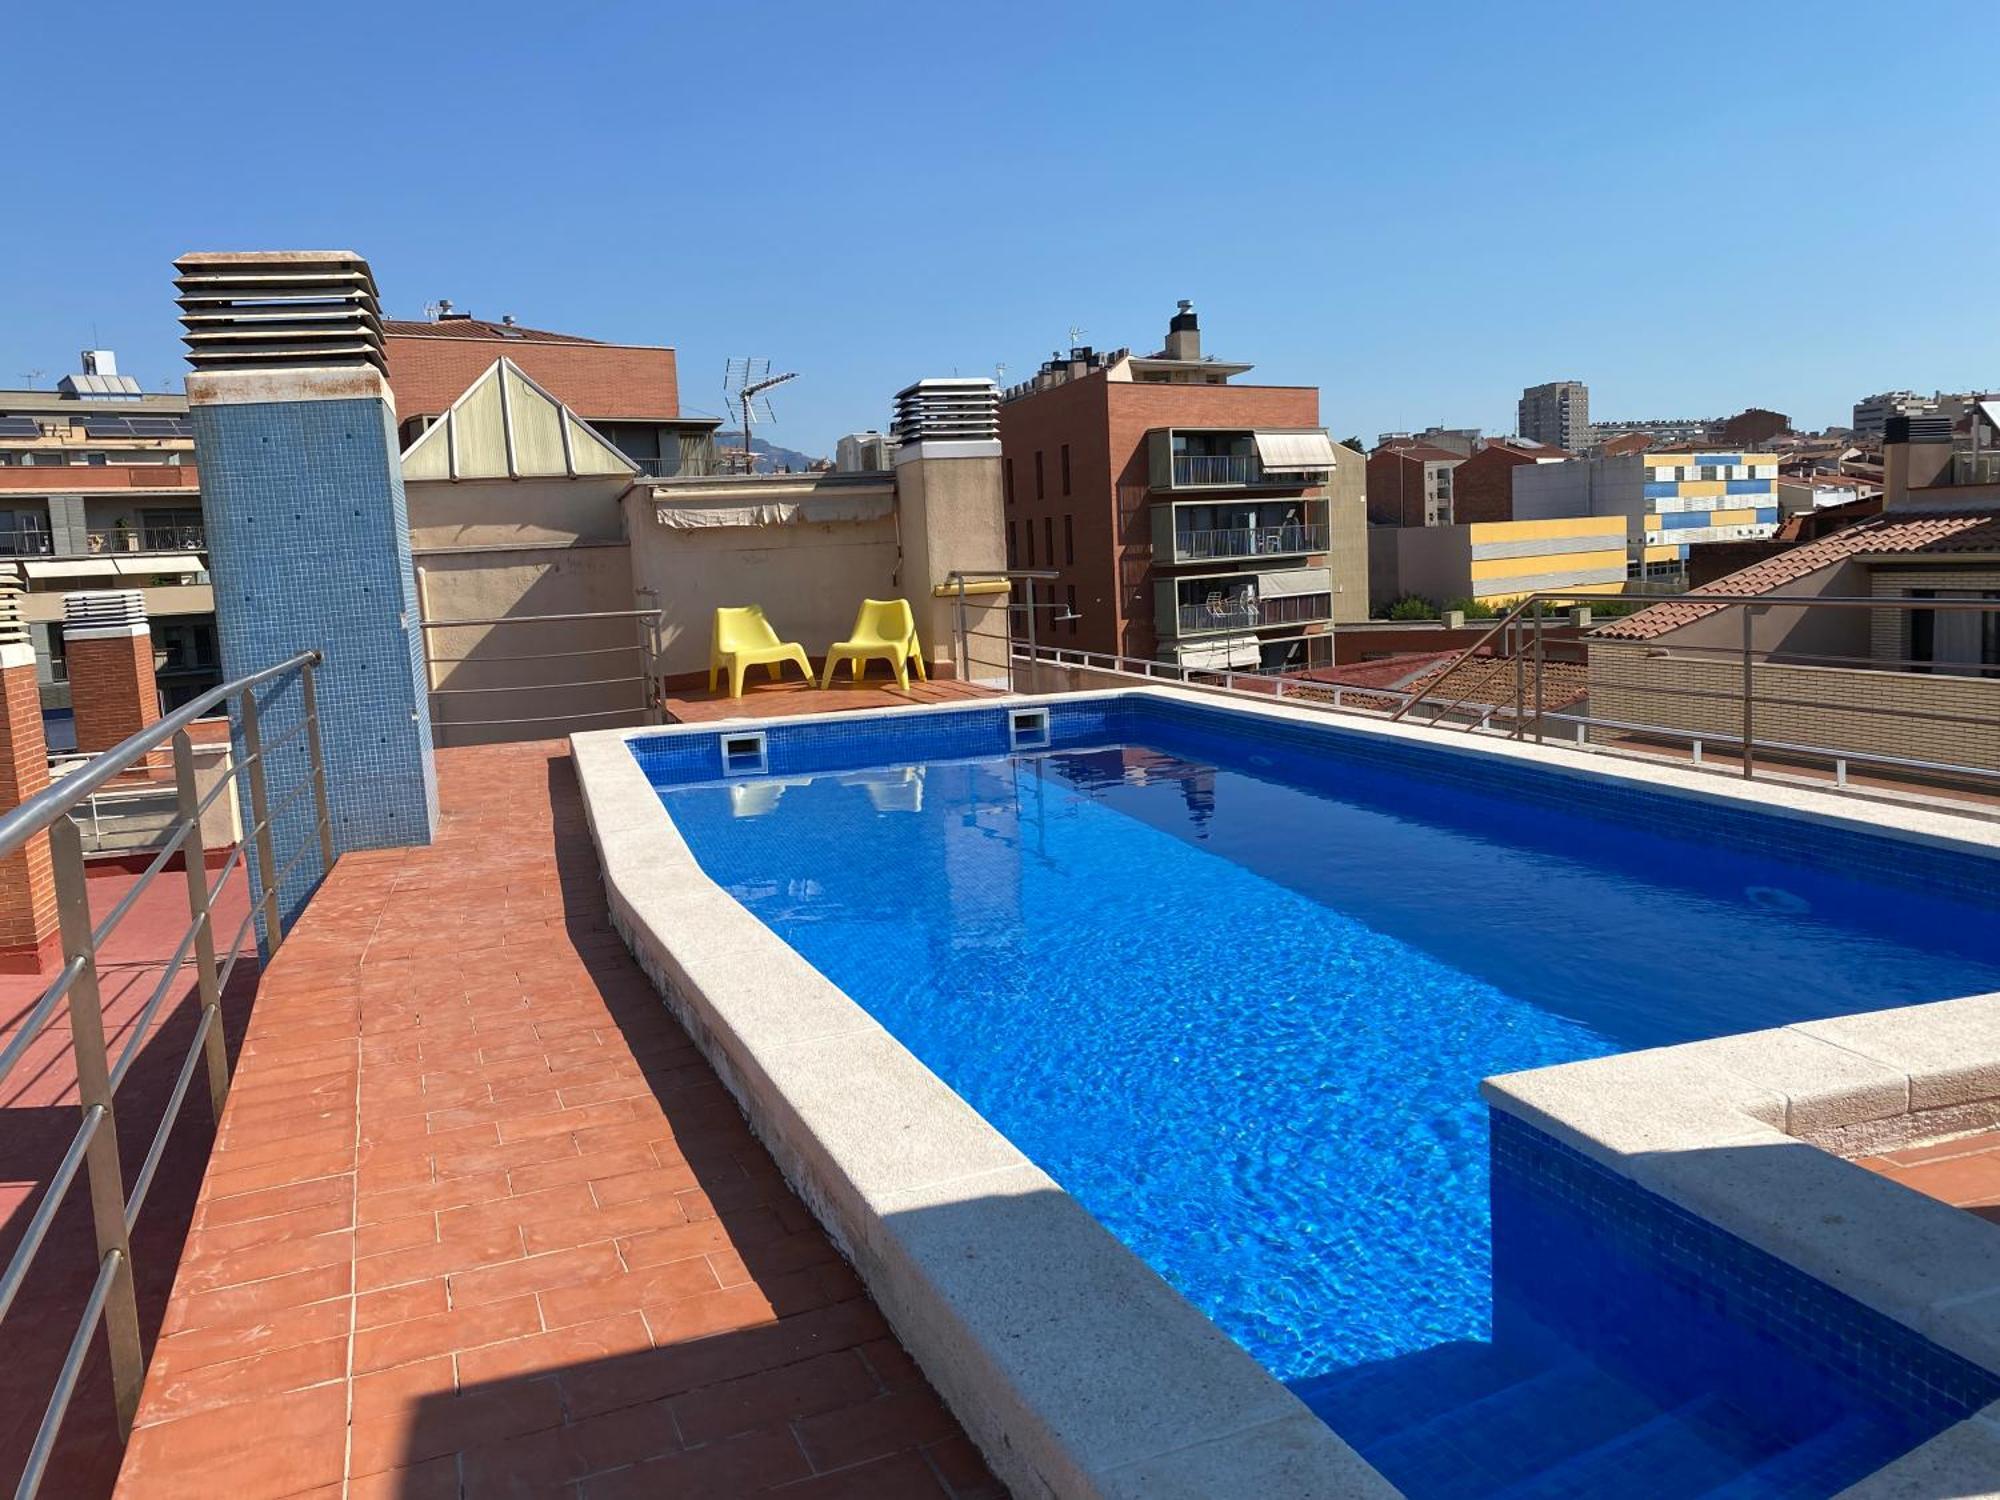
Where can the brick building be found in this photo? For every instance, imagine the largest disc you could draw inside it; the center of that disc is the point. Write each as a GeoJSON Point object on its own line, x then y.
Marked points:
{"type": "Point", "coordinates": [1191, 519]}
{"type": "Point", "coordinates": [628, 392]}
{"type": "Point", "coordinates": [1482, 488]}
{"type": "Point", "coordinates": [1411, 484]}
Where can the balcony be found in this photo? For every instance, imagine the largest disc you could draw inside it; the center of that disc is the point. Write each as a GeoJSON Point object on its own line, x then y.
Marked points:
{"type": "Point", "coordinates": [1248, 541]}
{"type": "Point", "coordinates": [1183, 459]}
{"type": "Point", "coordinates": [1244, 601]}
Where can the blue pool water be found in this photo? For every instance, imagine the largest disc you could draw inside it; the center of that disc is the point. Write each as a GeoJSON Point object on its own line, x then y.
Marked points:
{"type": "Point", "coordinates": [1236, 994]}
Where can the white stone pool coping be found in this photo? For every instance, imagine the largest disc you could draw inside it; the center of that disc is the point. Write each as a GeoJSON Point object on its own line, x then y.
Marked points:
{"type": "Point", "coordinates": [1071, 1364]}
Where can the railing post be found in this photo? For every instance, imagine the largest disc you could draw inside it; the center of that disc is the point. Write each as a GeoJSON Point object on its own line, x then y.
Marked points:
{"type": "Point", "coordinates": [1520, 688]}
{"type": "Point", "coordinates": [1749, 694]}
{"type": "Point", "coordinates": [93, 1087]}
{"type": "Point", "coordinates": [194, 857]}
{"type": "Point", "coordinates": [260, 822]}
{"type": "Point", "coordinates": [322, 809]}
{"type": "Point", "coordinates": [965, 642]}
{"type": "Point", "coordinates": [1539, 662]}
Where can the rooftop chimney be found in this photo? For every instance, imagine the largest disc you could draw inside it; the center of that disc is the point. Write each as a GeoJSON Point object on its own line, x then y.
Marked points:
{"type": "Point", "coordinates": [949, 410]}
{"type": "Point", "coordinates": [279, 310]}
{"type": "Point", "coordinates": [1916, 451]}
{"type": "Point", "coordinates": [1184, 334]}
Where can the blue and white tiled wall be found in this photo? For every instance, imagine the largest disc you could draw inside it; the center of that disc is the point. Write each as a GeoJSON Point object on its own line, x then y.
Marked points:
{"type": "Point", "coordinates": [309, 548]}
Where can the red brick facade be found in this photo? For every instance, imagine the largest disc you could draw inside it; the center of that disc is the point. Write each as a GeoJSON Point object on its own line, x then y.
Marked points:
{"type": "Point", "coordinates": [599, 382]}
{"type": "Point", "coordinates": [1097, 528]}
{"type": "Point", "coordinates": [27, 880]}
{"type": "Point", "coordinates": [111, 687]}
{"type": "Point", "coordinates": [1482, 488]}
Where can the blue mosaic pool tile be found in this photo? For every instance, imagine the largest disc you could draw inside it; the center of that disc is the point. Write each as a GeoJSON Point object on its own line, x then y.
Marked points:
{"type": "Point", "coordinates": [1595, 1257]}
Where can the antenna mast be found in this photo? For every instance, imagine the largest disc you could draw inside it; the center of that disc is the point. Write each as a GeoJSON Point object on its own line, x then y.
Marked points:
{"type": "Point", "coordinates": [746, 380]}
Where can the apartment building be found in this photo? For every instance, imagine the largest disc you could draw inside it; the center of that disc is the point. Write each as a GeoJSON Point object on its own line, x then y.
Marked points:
{"type": "Point", "coordinates": [1496, 562]}
{"type": "Point", "coordinates": [99, 490]}
{"type": "Point", "coordinates": [1192, 519]}
{"type": "Point", "coordinates": [1670, 501]}
{"type": "Point", "coordinates": [1464, 441]}
{"type": "Point", "coordinates": [1556, 413]}
{"type": "Point", "coordinates": [1872, 414]}
{"type": "Point", "coordinates": [1411, 484]}
{"type": "Point", "coordinates": [630, 393]}
{"type": "Point", "coordinates": [1483, 486]}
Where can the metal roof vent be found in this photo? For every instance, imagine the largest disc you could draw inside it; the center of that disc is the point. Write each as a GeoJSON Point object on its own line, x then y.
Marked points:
{"type": "Point", "coordinates": [948, 410]}
{"type": "Point", "coordinates": [104, 612]}
{"type": "Point", "coordinates": [13, 630]}
{"type": "Point", "coordinates": [279, 310]}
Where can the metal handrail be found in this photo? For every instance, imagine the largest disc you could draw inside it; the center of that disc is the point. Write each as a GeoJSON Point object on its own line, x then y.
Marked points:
{"type": "Point", "coordinates": [93, 1154]}
{"type": "Point", "coordinates": [647, 678]}
{"type": "Point", "coordinates": [1330, 695]}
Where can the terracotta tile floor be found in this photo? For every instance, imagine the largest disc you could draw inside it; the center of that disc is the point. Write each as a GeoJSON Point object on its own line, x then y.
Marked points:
{"type": "Point", "coordinates": [38, 1118]}
{"type": "Point", "coordinates": [481, 1221]}
{"type": "Point", "coordinates": [1964, 1172]}
{"type": "Point", "coordinates": [778, 700]}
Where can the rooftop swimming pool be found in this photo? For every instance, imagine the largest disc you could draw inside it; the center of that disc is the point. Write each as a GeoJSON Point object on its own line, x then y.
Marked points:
{"type": "Point", "coordinates": [1234, 983]}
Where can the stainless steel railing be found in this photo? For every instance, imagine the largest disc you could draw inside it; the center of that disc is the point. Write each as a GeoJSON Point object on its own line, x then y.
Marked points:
{"type": "Point", "coordinates": [641, 672]}
{"type": "Point", "coordinates": [93, 1152]}
{"type": "Point", "coordinates": [1248, 541]}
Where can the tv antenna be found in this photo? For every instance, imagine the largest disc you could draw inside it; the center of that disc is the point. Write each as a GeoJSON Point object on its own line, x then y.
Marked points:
{"type": "Point", "coordinates": [31, 376]}
{"type": "Point", "coordinates": [1076, 335]}
{"type": "Point", "coordinates": [746, 380]}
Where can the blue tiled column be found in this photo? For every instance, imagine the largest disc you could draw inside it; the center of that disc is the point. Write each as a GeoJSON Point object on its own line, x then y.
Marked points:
{"type": "Point", "coordinates": [309, 548]}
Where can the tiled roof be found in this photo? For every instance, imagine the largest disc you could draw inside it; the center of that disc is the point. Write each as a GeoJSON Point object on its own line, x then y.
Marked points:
{"type": "Point", "coordinates": [1420, 451]}
{"type": "Point", "coordinates": [477, 328]}
{"type": "Point", "coordinates": [1962, 531]}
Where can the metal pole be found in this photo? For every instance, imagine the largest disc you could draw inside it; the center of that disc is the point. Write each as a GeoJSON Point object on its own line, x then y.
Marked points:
{"type": "Point", "coordinates": [1749, 694]}
{"type": "Point", "coordinates": [322, 809]}
{"type": "Point", "coordinates": [964, 641]}
{"type": "Point", "coordinates": [93, 1088]}
{"type": "Point", "coordinates": [1520, 687]}
{"type": "Point", "coordinates": [260, 823]}
{"type": "Point", "coordinates": [1031, 636]}
{"type": "Point", "coordinates": [1539, 661]}
{"type": "Point", "coordinates": [193, 856]}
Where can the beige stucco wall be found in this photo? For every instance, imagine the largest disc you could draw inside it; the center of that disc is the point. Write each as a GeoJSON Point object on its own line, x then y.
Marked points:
{"type": "Point", "coordinates": [1915, 716]}
{"type": "Point", "coordinates": [510, 582]}
{"type": "Point", "coordinates": [810, 577]}
{"type": "Point", "coordinates": [950, 510]}
{"type": "Point", "coordinates": [515, 512]}
{"type": "Point", "coordinates": [1347, 555]}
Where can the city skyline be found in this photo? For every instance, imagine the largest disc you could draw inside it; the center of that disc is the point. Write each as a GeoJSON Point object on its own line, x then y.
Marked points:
{"type": "Point", "coordinates": [1420, 246]}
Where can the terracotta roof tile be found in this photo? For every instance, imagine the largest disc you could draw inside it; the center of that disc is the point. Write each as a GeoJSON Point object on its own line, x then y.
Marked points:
{"type": "Point", "coordinates": [477, 328]}
{"type": "Point", "coordinates": [1962, 531]}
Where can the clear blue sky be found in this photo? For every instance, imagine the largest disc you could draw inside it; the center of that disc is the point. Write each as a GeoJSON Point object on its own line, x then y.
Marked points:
{"type": "Point", "coordinates": [1420, 208]}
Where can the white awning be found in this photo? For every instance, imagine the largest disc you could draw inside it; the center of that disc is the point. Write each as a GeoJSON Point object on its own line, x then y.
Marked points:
{"type": "Point", "coordinates": [170, 562]}
{"type": "Point", "coordinates": [694, 515]}
{"type": "Point", "coordinates": [1221, 653]}
{"type": "Point", "coordinates": [1286, 451]}
{"type": "Point", "coordinates": [72, 567]}
{"type": "Point", "coordinates": [1295, 581]}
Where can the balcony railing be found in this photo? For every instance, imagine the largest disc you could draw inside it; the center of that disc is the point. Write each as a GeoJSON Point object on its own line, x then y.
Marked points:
{"type": "Point", "coordinates": [1239, 613]}
{"type": "Point", "coordinates": [1249, 541]}
{"type": "Point", "coordinates": [174, 539]}
{"type": "Point", "coordinates": [25, 541]}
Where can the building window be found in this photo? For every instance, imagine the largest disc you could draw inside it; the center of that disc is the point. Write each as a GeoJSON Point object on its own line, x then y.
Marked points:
{"type": "Point", "coordinates": [1040, 490]}
{"type": "Point", "coordinates": [1010, 544]}
{"type": "Point", "coordinates": [1007, 478]}
{"type": "Point", "coordinates": [1964, 642]}
{"type": "Point", "coordinates": [1709, 471]}
{"type": "Point", "coordinates": [1065, 468]}
{"type": "Point", "coordinates": [1069, 540]}
{"type": "Point", "coordinates": [1029, 527]}
{"type": "Point", "coordinates": [1049, 539]}
{"type": "Point", "coordinates": [1069, 593]}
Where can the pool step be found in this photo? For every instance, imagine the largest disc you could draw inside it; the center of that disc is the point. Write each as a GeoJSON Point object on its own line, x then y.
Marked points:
{"type": "Point", "coordinates": [1373, 1403]}
{"type": "Point", "coordinates": [1668, 1455]}
{"type": "Point", "coordinates": [1513, 1434]}
{"type": "Point", "coordinates": [1829, 1460]}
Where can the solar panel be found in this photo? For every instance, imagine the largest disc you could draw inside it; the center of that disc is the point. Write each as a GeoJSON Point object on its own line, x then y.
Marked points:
{"type": "Point", "coordinates": [108, 427]}
{"type": "Point", "coordinates": [20, 427]}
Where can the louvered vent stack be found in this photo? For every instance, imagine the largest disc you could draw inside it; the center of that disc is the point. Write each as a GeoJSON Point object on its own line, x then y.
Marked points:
{"type": "Point", "coordinates": [118, 611]}
{"type": "Point", "coordinates": [13, 630]}
{"type": "Point", "coordinates": [948, 410]}
{"type": "Point", "coordinates": [279, 310]}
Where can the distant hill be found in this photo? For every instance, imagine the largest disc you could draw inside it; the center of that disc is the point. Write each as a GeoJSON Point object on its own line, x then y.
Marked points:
{"type": "Point", "coordinates": [770, 458]}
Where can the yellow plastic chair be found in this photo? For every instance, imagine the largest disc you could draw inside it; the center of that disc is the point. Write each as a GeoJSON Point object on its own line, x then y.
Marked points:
{"type": "Point", "coordinates": [744, 639]}
{"type": "Point", "coordinates": [885, 630]}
